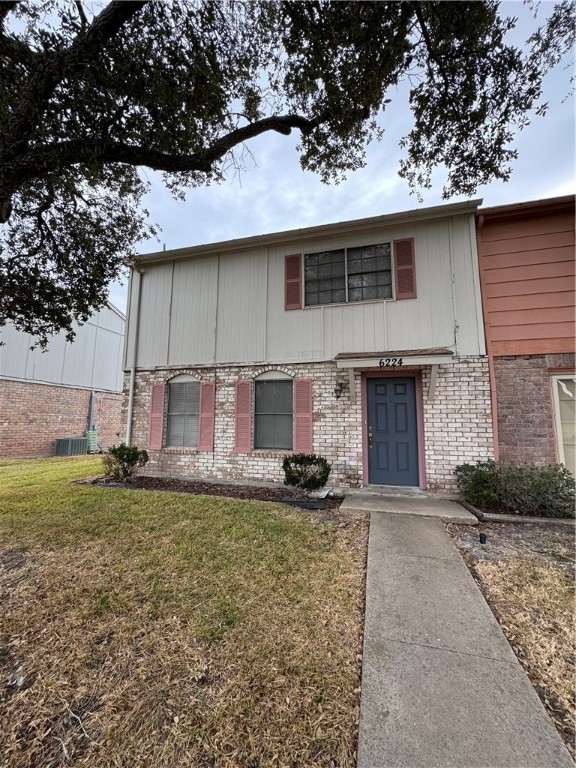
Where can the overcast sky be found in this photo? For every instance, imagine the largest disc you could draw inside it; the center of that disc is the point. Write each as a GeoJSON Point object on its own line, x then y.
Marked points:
{"type": "Point", "coordinates": [274, 193]}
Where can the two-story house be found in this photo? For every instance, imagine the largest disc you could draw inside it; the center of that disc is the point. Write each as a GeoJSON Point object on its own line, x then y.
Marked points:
{"type": "Point", "coordinates": [361, 341]}
{"type": "Point", "coordinates": [527, 267]}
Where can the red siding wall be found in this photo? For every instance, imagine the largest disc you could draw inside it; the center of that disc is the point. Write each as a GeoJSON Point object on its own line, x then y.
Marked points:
{"type": "Point", "coordinates": [32, 416]}
{"type": "Point", "coordinates": [526, 255]}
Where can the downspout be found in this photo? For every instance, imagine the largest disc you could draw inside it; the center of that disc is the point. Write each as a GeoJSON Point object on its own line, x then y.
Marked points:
{"type": "Point", "coordinates": [488, 337]}
{"type": "Point", "coordinates": [91, 410]}
{"type": "Point", "coordinates": [133, 311]}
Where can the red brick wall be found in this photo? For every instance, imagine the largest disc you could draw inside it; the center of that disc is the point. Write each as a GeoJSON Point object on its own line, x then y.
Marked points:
{"type": "Point", "coordinates": [32, 416]}
{"type": "Point", "coordinates": [525, 409]}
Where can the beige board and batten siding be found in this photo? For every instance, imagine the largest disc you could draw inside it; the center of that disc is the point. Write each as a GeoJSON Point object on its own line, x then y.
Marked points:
{"type": "Point", "coordinates": [228, 307]}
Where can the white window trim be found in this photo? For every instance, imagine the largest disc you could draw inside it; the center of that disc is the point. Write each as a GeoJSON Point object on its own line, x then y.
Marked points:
{"type": "Point", "coordinates": [557, 423]}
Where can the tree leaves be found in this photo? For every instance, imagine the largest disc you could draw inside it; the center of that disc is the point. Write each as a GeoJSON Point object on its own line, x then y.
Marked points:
{"type": "Point", "coordinates": [87, 99]}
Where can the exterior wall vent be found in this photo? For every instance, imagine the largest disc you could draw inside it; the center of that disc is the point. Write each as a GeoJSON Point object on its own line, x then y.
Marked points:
{"type": "Point", "coordinates": [70, 446]}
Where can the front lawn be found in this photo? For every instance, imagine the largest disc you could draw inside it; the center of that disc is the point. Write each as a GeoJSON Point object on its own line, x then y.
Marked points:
{"type": "Point", "coordinates": [141, 628]}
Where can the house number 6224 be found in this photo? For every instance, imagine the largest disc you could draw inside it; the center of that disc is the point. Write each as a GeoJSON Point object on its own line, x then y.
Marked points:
{"type": "Point", "coordinates": [390, 362]}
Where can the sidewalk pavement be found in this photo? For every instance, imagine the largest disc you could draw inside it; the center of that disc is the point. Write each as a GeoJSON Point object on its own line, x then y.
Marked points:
{"type": "Point", "coordinates": [441, 687]}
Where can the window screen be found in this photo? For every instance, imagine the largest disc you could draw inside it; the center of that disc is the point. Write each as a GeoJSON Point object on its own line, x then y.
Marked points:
{"type": "Point", "coordinates": [324, 277]}
{"type": "Point", "coordinates": [348, 274]}
{"type": "Point", "coordinates": [273, 415]}
{"type": "Point", "coordinates": [369, 272]}
{"type": "Point", "coordinates": [183, 409]}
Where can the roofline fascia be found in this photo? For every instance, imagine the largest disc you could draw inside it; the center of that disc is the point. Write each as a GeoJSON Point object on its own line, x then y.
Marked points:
{"type": "Point", "coordinates": [115, 309]}
{"type": "Point", "coordinates": [528, 207]}
{"type": "Point", "coordinates": [322, 230]}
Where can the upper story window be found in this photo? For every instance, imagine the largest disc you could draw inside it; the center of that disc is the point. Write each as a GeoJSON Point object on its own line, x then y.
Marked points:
{"type": "Point", "coordinates": [183, 413]}
{"type": "Point", "coordinates": [273, 413]}
{"type": "Point", "coordinates": [348, 274]}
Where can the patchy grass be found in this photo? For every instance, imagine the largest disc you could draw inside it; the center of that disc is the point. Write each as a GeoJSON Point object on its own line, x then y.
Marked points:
{"type": "Point", "coordinates": [526, 573]}
{"type": "Point", "coordinates": [159, 629]}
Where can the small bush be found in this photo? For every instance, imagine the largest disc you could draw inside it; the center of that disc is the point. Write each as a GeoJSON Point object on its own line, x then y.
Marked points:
{"type": "Point", "coordinates": [305, 470]}
{"type": "Point", "coordinates": [531, 491]}
{"type": "Point", "coordinates": [121, 461]}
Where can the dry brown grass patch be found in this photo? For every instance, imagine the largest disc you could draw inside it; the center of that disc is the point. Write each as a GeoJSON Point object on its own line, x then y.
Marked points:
{"type": "Point", "coordinates": [534, 602]}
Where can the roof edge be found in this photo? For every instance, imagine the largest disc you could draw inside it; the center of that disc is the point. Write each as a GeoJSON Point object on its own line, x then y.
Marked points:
{"type": "Point", "coordinates": [296, 235]}
{"type": "Point", "coordinates": [528, 207]}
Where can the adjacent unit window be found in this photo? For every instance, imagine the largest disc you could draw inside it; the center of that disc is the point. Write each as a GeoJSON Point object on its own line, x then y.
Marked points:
{"type": "Point", "coordinates": [183, 410]}
{"type": "Point", "coordinates": [564, 392]}
{"type": "Point", "coordinates": [273, 414]}
{"type": "Point", "coordinates": [348, 274]}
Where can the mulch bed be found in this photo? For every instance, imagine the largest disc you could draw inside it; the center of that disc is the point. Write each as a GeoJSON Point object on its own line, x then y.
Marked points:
{"type": "Point", "coordinates": [328, 510]}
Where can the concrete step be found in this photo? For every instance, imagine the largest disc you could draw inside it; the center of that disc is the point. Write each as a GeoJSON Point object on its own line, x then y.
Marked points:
{"type": "Point", "coordinates": [420, 506]}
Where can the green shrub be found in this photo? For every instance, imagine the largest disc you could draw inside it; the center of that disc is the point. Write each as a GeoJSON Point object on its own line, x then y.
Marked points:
{"type": "Point", "coordinates": [531, 491]}
{"type": "Point", "coordinates": [121, 461]}
{"type": "Point", "coordinates": [305, 470]}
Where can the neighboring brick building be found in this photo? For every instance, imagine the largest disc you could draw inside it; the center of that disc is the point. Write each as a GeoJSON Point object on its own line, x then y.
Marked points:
{"type": "Point", "coordinates": [361, 341]}
{"type": "Point", "coordinates": [62, 392]}
{"type": "Point", "coordinates": [526, 255]}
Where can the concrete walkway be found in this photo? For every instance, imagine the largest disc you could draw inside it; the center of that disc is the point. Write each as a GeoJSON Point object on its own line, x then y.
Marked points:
{"type": "Point", "coordinates": [441, 686]}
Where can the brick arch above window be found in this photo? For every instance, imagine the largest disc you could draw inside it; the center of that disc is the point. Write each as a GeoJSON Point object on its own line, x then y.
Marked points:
{"type": "Point", "coordinates": [182, 377]}
{"type": "Point", "coordinates": [273, 375]}
{"type": "Point", "coordinates": [278, 369]}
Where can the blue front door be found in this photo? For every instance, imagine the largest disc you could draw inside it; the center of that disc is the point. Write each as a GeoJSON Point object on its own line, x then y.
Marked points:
{"type": "Point", "coordinates": [392, 433]}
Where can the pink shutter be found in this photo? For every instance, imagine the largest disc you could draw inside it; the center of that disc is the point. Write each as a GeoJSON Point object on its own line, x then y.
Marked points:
{"type": "Point", "coordinates": [243, 425]}
{"type": "Point", "coordinates": [206, 418]}
{"type": "Point", "coordinates": [303, 416]}
{"type": "Point", "coordinates": [293, 281]}
{"type": "Point", "coordinates": [156, 417]}
{"type": "Point", "coordinates": [405, 268]}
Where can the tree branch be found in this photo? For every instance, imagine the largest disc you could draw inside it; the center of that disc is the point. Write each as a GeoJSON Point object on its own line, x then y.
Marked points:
{"type": "Point", "coordinates": [81, 14]}
{"type": "Point", "coordinates": [54, 67]}
{"type": "Point", "coordinates": [42, 161]}
{"type": "Point", "coordinates": [430, 48]}
{"type": "Point", "coordinates": [5, 9]}
{"type": "Point", "coordinates": [17, 51]}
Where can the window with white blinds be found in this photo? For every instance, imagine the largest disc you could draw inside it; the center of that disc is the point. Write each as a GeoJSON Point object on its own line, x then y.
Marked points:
{"type": "Point", "coordinates": [183, 410]}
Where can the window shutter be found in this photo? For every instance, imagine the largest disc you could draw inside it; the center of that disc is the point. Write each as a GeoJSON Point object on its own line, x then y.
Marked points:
{"type": "Point", "coordinates": [243, 421]}
{"type": "Point", "coordinates": [293, 281]}
{"type": "Point", "coordinates": [405, 268]}
{"type": "Point", "coordinates": [156, 417]}
{"type": "Point", "coordinates": [206, 417]}
{"type": "Point", "coordinates": [303, 416]}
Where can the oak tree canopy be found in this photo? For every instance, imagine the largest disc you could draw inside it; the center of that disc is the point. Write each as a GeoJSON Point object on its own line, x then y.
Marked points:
{"type": "Point", "coordinates": [91, 93]}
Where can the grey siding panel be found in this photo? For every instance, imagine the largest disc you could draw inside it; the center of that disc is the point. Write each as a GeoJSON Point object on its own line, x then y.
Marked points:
{"type": "Point", "coordinates": [241, 325]}
{"type": "Point", "coordinates": [47, 366]}
{"type": "Point", "coordinates": [229, 308]}
{"type": "Point", "coordinates": [466, 286]}
{"type": "Point", "coordinates": [109, 319]}
{"type": "Point", "coordinates": [14, 353]}
{"type": "Point", "coordinates": [193, 317]}
{"type": "Point", "coordinates": [108, 347]}
{"type": "Point", "coordinates": [79, 358]}
{"type": "Point", "coordinates": [155, 315]}
{"type": "Point", "coordinates": [294, 334]}
{"type": "Point", "coordinates": [93, 360]}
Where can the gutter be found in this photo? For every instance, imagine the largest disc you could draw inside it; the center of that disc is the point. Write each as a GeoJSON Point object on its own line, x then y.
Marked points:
{"type": "Point", "coordinates": [136, 315]}
{"type": "Point", "coordinates": [292, 237]}
{"type": "Point", "coordinates": [488, 337]}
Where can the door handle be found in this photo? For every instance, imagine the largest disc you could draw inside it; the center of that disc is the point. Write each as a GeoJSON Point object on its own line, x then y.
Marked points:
{"type": "Point", "coordinates": [370, 437]}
